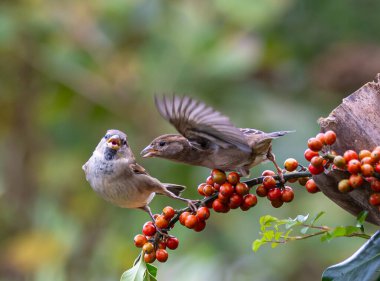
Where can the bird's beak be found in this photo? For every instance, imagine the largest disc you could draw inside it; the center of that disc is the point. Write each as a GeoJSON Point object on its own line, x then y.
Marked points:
{"type": "Point", "coordinates": [148, 151]}
{"type": "Point", "coordinates": [114, 142]}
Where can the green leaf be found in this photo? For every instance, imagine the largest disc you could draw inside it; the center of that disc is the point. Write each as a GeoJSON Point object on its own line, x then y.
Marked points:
{"type": "Point", "coordinates": [266, 221]}
{"type": "Point", "coordinates": [287, 234]}
{"type": "Point", "coordinates": [320, 214]}
{"type": "Point", "coordinates": [257, 244]}
{"type": "Point", "coordinates": [363, 265]}
{"type": "Point", "coordinates": [274, 245]}
{"type": "Point", "coordinates": [338, 232]}
{"type": "Point", "coordinates": [140, 271]}
{"type": "Point", "coordinates": [361, 218]}
{"type": "Point", "coordinates": [326, 237]}
{"type": "Point", "coordinates": [268, 235]}
{"type": "Point", "coordinates": [277, 235]}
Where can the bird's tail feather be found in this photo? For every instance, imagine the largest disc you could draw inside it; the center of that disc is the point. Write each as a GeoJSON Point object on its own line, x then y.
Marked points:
{"type": "Point", "coordinates": [175, 188]}
{"type": "Point", "coordinates": [279, 134]}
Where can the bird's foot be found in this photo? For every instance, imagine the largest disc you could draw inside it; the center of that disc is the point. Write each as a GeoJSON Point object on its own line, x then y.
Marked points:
{"type": "Point", "coordinates": [193, 204]}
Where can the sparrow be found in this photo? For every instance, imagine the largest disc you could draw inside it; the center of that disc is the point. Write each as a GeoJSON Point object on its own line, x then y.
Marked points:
{"type": "Point", "coordinates": [208, 138]}
{"type": "Point", "coordinates": [113, 173]}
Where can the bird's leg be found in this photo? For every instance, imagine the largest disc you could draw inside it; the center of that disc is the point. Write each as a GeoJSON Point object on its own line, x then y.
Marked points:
{"type": "Point", "coordinates": [146, 208]}
{"type": "Point", "coordinates": [191, 203]}
{"type": "Point", "coordinates": [272, 158]}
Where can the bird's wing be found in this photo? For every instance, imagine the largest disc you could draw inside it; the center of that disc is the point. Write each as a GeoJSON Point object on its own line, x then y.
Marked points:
{"type": "Point", "coordinates": [137, 169]}
{"type": "Point", "coordinates": [200, 124]}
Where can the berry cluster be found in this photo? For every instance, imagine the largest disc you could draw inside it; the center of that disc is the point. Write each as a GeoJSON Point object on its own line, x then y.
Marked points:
{"type": "Point", "coordinates": [362, 167]}
{"type": "Point", "coordinates": [275, 191]}
{"type": "Point", "coordinates": [154, 242]}
{"type": "Point", "coordinates": [228, 191]}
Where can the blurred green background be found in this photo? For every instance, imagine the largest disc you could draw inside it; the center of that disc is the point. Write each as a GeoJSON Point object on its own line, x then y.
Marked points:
{"type": "Point", "coordinates": [69, 70]}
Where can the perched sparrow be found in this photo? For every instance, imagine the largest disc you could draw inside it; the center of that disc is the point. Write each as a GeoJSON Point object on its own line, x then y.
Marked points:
{"type": "Point", "coordinates": [113, 173]}
{"type": "Point", "coordinates": [208, 138]}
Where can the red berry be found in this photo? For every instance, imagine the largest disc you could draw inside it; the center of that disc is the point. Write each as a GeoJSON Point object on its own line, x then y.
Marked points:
{"type": "Point", "coordinates": [149, 229]}
{"type": "Point", "coordinates": [250, 200]}
{"type": "Point", "coordinates": [216, 186]}
{"type": "Point", "coordinates": [140, 240]}
{"type": "Point", "coordinates": [226, 189]}
{"type": "Point", "coordinates": [148, 248]}
{"type": "Point", "coordinates": [355, 181]}
{"type": "Point", "coordinates": [183, 217]}
{"type": "Point", "coordinates": [344, 186]}
{"type": "Point", "coordinates": [277, 203]}
{"type": "Point", "coordinates": [223, 198]}
{"type": "Point", "coordinates": [290, 164]}
{"type": "Point", "coordinates": [321, 137]}
{"type": "Point", "coordinates": [311, 186]}
{"type": "Point", "coordinates": [375, 155]}
{"type": "Point", "coordinates": [200, 226]}
{"type": "Point", "coordinates": [364, 153]}
{"type": "Point", "coordinates": [162, 255]}
{"type": "Point", "coordinates": [161, 244]}
{"type": "Point", "coordinates": [309, 154]}
{"type": "Point", "coordinates": [377, 168]}
{"type": "Point", "coordinates": [374, 199]}
{"type": "Point", "coordinates": [330, 137]}
{"type": "Point", "coordinates": [218, 176]}
{"type": "Point", "coordinates": [203, 213]}
{"type": "Point", "coordinates": [209, 180]}
{"type": "Point", "coordinates": [367, 170]}
{"type": "Point", "coordinates": [161, 222]}
{"type": "Point", "coordinates": [208, 190]}
{"type": "Point", "coordinates": [168, 212]}
{"type": "Point", "coordinates": [261, 191]}
{"type": "Point", "coordinates": [269, 182]}
{"type": "Point", "coordinates": [268, 173]}
{"type": "Point", "coordinates": [191, 221]}
{"type": "Point", "coordinates": [349, 155]}
{"type": "Point", "coordinates": [353, 166]}
{"type": "Point", "coordinates": [172, 243]}
{"type": "Point", "coordinates": [366, 160]}
{"type": "Point", "coordinates": [149, 258]}
{"type": "Point", "coordinates": [235, 201]}
{"type": "Point", "coordinates": [242, 188]}
{"type": "Point", "coordinates": [315, 170]}
{"type": "Point", "coordinates": [287, 194]}
{"type": "Point", "coordinates": [317, 161]}
{"type": "Point", "coordinates": [219, 206]}
{"type": "Point", "coordinates": [339, 162]}
{"type": "Point", "coordinates": [314, 144]}
{"type": "Point", "coordinates": [233, 178]}
{"type": "Point", "coordinates": [375, 185]}
{"type": "Point", "coordinates": [274, 194]}
{"type": "Point", "coordinates": [200, 189]}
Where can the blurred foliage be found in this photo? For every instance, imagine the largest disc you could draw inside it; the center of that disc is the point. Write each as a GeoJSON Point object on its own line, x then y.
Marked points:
{"type": "Point", "coordinates": [71, 69]}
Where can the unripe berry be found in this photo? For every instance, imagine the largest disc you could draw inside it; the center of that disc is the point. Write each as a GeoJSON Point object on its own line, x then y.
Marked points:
{"type": "Point", "coordinates": [148, 248]}
{"type": "Point", "coordinates": [218, 176]}
{"type": "Point", "coordinates": [140, 240]}
{"type": "Point", "coordinates": [344, 186]}
{"type": "Point", "coordinates": [290, 164]}
{"type": "Point", "coordinates": [339, 162]}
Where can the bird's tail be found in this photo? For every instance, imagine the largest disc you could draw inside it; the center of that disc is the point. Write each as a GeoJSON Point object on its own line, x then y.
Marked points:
{"type": "Point", "coordinates": [274, 135]}
{"type": "Point", "coordinates": [175, 188]}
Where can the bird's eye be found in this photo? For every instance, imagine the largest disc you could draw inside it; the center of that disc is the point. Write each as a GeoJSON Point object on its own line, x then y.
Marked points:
{"type": "Point", "coordinates": [161, 143]}
{"type": "Point", "coordinates": [107, 136]}
{"type": "Point", "coordinates": [124, 142]}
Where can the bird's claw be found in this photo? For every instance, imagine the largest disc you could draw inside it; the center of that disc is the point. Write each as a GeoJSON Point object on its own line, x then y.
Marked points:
{"type": "Point", "coordinates": [193, 205]}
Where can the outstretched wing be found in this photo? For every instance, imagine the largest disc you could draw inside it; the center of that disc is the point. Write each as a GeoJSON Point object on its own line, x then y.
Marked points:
{"type": "Point", "coordinates": [200, 124]}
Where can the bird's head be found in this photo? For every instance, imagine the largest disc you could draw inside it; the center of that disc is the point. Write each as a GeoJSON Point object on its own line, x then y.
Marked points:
{"type": "Point", "coordinates": [165, 146]}
{"type": "Point", "coordinates": [114, 145]}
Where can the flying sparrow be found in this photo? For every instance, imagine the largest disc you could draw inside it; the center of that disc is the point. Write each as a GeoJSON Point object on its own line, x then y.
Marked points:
{"type": "Point", "coordinates": [208, 138]}
{"type": "Point", "coordinates": [113, 173]}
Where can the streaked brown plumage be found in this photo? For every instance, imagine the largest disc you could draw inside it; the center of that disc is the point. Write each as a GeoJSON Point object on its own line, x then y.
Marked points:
{"type": "Point", "coordinates": [113, 173]}
{"type": "Point", "coordinates": [208, 138]}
